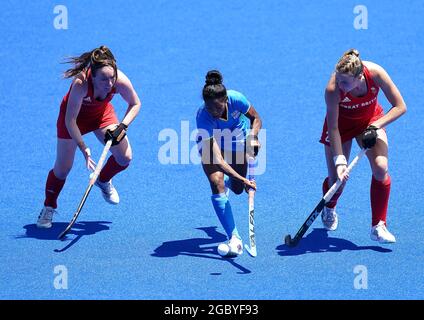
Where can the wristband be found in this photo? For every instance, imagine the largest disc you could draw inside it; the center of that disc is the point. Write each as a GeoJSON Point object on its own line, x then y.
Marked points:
{"type": "Point", "coordinates": [340, 160]}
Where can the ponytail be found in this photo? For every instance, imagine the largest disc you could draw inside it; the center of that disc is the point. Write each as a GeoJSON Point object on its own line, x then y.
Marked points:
{"type": "Point", "coordinates": [94, 59]}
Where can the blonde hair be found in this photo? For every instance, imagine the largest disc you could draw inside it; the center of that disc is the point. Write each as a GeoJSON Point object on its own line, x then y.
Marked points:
{"type": "Point", "coordinates": [350, 63]}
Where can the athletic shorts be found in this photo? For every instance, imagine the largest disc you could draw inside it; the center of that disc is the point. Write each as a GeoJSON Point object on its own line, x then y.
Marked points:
{"type": "Point", "coordinates": [88, 120]}
{"type": "Point", "coordinates": [350, 128]}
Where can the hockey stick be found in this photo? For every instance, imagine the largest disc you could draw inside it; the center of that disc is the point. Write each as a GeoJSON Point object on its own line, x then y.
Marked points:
{"type": "Point", "coordinates": [93, 179]}
{"type": "Point", "coordinates": [251, 176]}
{"type": "Point", "coordinates": [292, 242]}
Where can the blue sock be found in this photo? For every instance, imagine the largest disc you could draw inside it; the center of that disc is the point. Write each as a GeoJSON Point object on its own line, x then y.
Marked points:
{"type": "Point", "coordinates": [225, 215]}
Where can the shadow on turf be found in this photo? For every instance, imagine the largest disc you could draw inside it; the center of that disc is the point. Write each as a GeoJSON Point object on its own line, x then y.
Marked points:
{"type": "Point", "coordinates": [318, 241]}
{"type": "Point", "coordinates": [79, 229]}
{"type": "Point", "coordinates": [198, 247]}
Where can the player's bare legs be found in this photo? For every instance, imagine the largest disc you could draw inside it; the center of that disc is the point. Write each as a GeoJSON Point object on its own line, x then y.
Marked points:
{"type": "Point", "coordinates": [329, 216]}
{"type": "Point", "coordinates": [65, 154]}
{"type": "Point", "coordinates": [117, 162]}
{"type": "Point", "coordinates": [380, 188]}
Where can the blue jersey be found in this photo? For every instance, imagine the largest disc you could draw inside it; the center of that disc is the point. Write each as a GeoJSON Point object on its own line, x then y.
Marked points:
{"type": "Point", "coordinates": [229, 131]}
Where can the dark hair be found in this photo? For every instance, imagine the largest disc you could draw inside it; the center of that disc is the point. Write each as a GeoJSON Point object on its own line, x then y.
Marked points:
{"type": "Point", "coordinates": [214, 89]}
{"type": "Point", "coordinates": [94, 59]}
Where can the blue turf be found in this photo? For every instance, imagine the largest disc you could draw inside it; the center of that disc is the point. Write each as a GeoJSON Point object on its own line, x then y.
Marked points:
{"type": "Point", "coordinates": [160, 242]}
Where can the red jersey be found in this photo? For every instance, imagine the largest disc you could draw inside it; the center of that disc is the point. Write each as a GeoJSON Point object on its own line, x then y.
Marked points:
{"type": "Point", "coordinates": [356, 113]}
{"type": "Point", "coordinates": [94, 113]}
{"type": "Point", "coordinates": [360, 108]}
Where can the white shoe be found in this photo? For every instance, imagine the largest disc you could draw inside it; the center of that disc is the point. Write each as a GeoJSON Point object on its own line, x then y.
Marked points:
{"type": "Point", "coordinates": [45, 218]}
{"type": "Point", "coordinates": [380, 233]}
{"type": "Point", "coordinates": [232, 248]}
{"type": "Point", "coordinates": [329, 218]}
{"type": "Point", "coordinates": [108, 190]}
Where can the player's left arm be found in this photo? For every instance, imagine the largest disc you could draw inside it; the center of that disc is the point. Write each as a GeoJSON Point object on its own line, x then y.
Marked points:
{"type": "Point", "coordinates": [255, 120]}
{"type": "Point", "coordinates": [392, 93]}
{"type": "Point", "coordinates": [255, 127]}
{"type": "Point", "coordinates": [125, 88]}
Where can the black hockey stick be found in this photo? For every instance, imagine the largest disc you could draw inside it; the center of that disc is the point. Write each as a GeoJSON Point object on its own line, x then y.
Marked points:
{"type": "Point", "coordinates": [93, 179]}
{"type": "Point", "coordinates": [292, 242]}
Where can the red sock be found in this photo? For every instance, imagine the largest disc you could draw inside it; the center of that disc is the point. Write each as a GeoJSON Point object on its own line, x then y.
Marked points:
{"type": "Point", "coordinates": [380, 192]}
{"type": "Point", "coordinates": [333, 201]}
{"type": "Point", "coordinates": [110, 169]}
{"type": "Point", "coordinates": [53, 187]}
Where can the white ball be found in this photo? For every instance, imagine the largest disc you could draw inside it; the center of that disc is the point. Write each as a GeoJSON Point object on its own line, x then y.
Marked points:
{"type": "Point", "coordinates": [223, 249]}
